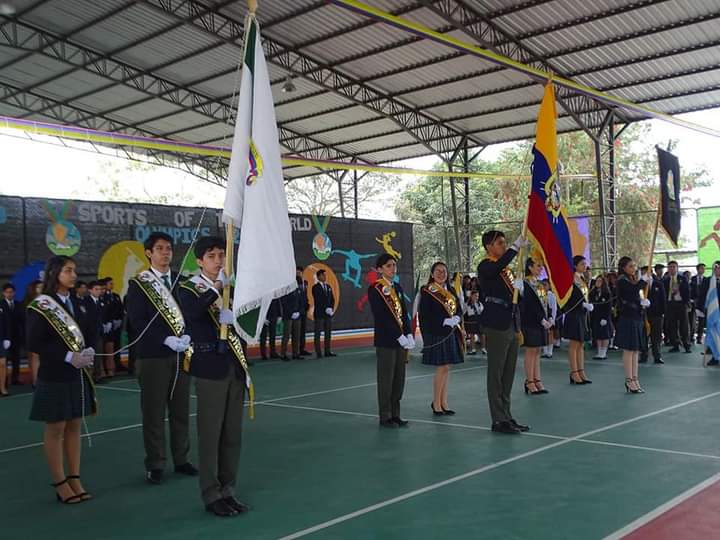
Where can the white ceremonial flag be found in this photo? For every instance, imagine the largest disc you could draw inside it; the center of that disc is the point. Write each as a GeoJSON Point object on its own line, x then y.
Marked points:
{"type": "Point", "coordinates": [255, 201]}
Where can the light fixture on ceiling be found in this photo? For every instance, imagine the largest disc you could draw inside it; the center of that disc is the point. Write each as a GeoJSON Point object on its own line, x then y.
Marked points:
{"type": "Point", "coordinates": [289, 86]}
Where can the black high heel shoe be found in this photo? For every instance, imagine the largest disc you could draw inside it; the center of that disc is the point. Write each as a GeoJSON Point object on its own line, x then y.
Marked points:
{"type": "Point", "coordinates": [639, 388]}
{"type": "Point", "coordinates": [540, 390]}
{"type": "Point", "coordinates": [527, 388]}
{"type": "Point", "coordinates": [73, 499]}
{"type": "Point", "coordinates": [573, 381]}
{"type": "Point", "coordinates": [582, 376]}
{"type": "Point", "coordinates": [449, 412]}
{"type": "Point", "coordinates": [84, 496]}
{"type": "Point", "coordinates": [629, 390]}
{"type": "Point", "coordinates": [436, 413]}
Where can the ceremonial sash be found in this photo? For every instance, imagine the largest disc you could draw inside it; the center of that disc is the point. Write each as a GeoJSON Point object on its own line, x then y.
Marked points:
{"type": "Point", "coordinates": [162, 300]}
{"type": "Point", "coordinates": [506, 274]}
{"type": "Point", "coordinates": [392, 300]}
{"type": "Point", "coordinates": [540, 293]}
{"type": "Point", "coordinates": [444, 297]}
{"type": "Point", "coordinates": [449, 303]}
{"type": "Point", "coordinates": [66, 327]}
{"type": "Point", "coordinates": [197, 286]}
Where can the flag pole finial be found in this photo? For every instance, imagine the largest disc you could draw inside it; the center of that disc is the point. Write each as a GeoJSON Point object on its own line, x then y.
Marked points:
{"type": "Point", "coordinates": [252, 6]}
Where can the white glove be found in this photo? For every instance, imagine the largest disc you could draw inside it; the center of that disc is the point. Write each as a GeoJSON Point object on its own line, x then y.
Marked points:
{"type": "Point", "coordinates": [295, 316]}
{"type": "Point", "coordinates": [411, 342]}
{"type": "Point", "coordinates": [603, 322]}
{"type": "Point", "coordinates": [449, 322]}
{"type": "Point", "coordinates": [481, 308]}
{"type": "Point", "coordinates": [546, 324]}
{"type": "Point", "coordinates": [266, 323]}
{"type": "Point", "coordinates": [551, 321]}
{"type": "Point", "coordinates": [329, 311]}
{"type": "Point", "coordinates": [176, 344]}
{"type": "Point", "coordinates": [81, 359]}
{"type": "Point", "coordinates": [519, 285]}
{"type": "Point", "coordinates": [588, 307]}
{"type": "Point", "coordinates": [226, 316]}
{"type": "Point", "coordinates": [107, 327]}
{"type": "Point", "coordinates": [646, 278]}
{"type": "Point", "coordinates": [698, 312]}
{"type": "Point", "coordinates": [645, 302]}
{"type": "Point", "coordinates": [519, 243]}
{"type": "Point", "coordinates": [222, 278]}
{"type": "Point", "coordinates": [6, 344]}
{"type": "Point", "coordinates": [117, 323]}
{"type": "Point", "coordinates": [185, 341]}
{"type": "Point", "coordinates": [403, 341]}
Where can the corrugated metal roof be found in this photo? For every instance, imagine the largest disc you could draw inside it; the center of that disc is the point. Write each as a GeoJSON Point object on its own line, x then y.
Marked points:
{"type": "Point", "coordinates": [661, 53]}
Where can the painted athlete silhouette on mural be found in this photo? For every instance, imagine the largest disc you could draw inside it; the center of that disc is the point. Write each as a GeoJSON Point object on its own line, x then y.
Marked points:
{"type": "Point", "coordinates": [353, 268]}
{"type": "Point", "coordinates": [370, 278]}
{"type": "Point", "coordinates": [386, 243]}
{"type": "Point", "coordinates": [712, 236]}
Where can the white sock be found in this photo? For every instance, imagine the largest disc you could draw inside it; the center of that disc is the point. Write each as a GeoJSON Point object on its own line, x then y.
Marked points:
{"type": "Point", "coordinates": [602, 352]}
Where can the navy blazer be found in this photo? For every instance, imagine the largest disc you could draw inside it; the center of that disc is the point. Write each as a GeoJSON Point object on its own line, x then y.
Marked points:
{"type": "Point", "coordinates": [50, 347]}
{"type": "Point", "coordinates": [629, 298]}
{"type": "Point", "coordinates": [682, 285]}
{"type": "Point", "coordinates": [496, 316]}
{"type": "Point", "coordinates": [291, 303]}
{"type": "Point", "coordinates": [322, 300]}
{"type": "Point", "coordinates": [532, 310]}
{"type": "Point", "coordinates": [658, 298]}
{"type": "Point", "coordinates": [140, 312]}
{"type": "Point", "coordinates": [432, 314]}
{"type": "Point", "coordinates": [95, 313]}
{"type": "Point", "coordinates": [211, 359]}
{"type": "Point", "coordinates": [387, 330]}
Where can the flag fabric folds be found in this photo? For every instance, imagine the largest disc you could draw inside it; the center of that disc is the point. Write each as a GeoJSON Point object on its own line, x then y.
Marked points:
{"type": "Point", "coordinates": [255, 200]}
{"type": "Point", "coordinates": [712, 313]}
{"type": "Point", "coordinates": [669, 194]}
{"type": "Point", "coordinates": [547, 220]}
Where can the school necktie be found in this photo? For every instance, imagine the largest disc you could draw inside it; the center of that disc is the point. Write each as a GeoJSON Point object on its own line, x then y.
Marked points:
{"type": "Point", "coordinates": [69, 306]}
{"type": "Point", "coordinates": [166, 281]}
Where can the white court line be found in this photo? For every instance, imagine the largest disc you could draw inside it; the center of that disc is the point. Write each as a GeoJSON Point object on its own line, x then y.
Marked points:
{"type": "Point", "coordinates": [490, 467]}
{"type": "Point", "coordinates": [85, 435]}
{"type": "Point", "coordinates": [669, 505]}
{"type": "Point", "coordinates": [484, 428]}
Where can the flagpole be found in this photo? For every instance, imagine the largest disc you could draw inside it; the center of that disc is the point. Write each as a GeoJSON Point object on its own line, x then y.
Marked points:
{"type": "Point", "coordinates": [229, 248]}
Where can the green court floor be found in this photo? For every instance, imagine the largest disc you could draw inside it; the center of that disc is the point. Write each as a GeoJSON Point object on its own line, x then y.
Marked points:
{"type": "Point", "coordinates": [315, 463]}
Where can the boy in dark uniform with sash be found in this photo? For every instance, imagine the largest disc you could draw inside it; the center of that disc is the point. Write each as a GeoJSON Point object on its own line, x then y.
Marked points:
{"type": "Point", "coordinates": [500, 322]}
{"type": "Point", "coordinates": [152, 309]}
{"type": "Point", "coordinates": [393, 340]}
{"type": "Point", "coordinates": [221, 375]}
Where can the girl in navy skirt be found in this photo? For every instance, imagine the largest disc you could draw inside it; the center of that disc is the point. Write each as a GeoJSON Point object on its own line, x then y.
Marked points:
{"type": "Point", "coordinates": [601, 316]}
{"type": "Point", "coordinates": [64, 393]}
{"type": "Point", "coordinates": [575, 324]}
{"type": "Point", "coordinates": [443, 337]}
{"type": "Point", "coordinates": [536, 324]}
{"type": "Point", "coordinates": [630, 331]}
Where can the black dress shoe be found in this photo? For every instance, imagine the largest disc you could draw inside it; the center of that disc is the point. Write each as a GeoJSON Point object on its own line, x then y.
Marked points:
{"type": "Point", "coordinates": [154, 476]}
{"type": "Point", "coordinates": [659, 361]}
{"type": "Point", "coordinates": [305, 353]}
{"type": "Point", "coordinates": [505, 427]}
{"type": "Point", "coordinates": [643, 360]}
{"type": "Point", "coordinates": [399, 422]}
{"type": "Point", "coordinates": [436, 413]}
{"type": "Point", "coordinates": [236, 505]}
{"type": "Point", "coordinates": [186, 468]}
{"type": "Point", "coordinates": [688, 349]}
{"type": "Point", "coordinates": [274, 355]}
{"type": "Point", "coordinates": [285, 358]}
{"type": "Point", "coordinates": [388, 423]}
{"type": "Point", "coordinates": [675, 349]}
{"type": "Point", "coordinates": [521, 427]}
{"type": "Point", "coordinates": [296, 357]}
{"type": "Point", "coordinates": [713, 362]}
{"type": "Point", "coordinates": [330, 354]}
{"type": "Point", "coordinates": [449, 412]}
{"type": "Point", "coordinates": [221, 508]}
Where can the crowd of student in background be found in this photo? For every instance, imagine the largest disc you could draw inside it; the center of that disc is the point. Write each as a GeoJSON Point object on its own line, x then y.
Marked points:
{"type": "Point", "coordinates": [675, 317]}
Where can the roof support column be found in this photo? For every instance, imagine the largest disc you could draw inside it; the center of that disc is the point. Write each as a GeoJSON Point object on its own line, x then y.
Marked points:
{"type": "Point", "coordinates": [605, 164]}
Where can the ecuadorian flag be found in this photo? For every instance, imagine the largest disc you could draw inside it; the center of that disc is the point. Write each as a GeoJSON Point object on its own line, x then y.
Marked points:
{"type": "Point", "coordinates": [547, 221]}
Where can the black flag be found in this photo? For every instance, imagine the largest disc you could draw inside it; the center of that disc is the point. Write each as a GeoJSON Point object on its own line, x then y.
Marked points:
{"type": "Point", "coordinates": [669, 194]}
